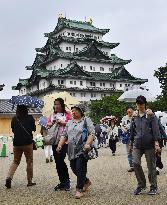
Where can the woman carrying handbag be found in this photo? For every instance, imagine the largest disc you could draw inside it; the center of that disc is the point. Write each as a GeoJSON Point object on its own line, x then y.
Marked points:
{"type": "Point", "coordinates": [22, 126]}
{"type": "Point", "coordinates": [78, 148]}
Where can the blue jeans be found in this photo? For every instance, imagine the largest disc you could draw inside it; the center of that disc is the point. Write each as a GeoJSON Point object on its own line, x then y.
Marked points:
{"type": "Point", "coordinates": [129, 154]}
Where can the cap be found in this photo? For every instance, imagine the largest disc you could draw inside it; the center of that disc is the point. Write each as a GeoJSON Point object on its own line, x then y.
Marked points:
{"type": "Point", "coordinates": [80, 107]}
{"type": "Point", "coordinates": [141, 100]}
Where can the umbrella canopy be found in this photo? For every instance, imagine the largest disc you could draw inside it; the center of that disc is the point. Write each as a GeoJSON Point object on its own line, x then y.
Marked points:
{"type": "Point", "coordinates": [49, 102]}
{"type": "Point", "coordinates": [131, 95]}
{"type": "Point", "coordinates": [28, 101]}
{"type": "Point", "coordinates": [43, 121]}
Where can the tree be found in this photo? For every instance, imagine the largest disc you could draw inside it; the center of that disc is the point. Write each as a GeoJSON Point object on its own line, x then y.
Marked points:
{"type": "Point", "coordinates": [107, 106]}
{"type": "Point", "coordinates": [161, 103]}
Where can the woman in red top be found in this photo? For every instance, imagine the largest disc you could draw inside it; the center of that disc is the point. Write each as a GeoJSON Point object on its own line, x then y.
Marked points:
{"type": "Point", "coordinates": [61, 117]}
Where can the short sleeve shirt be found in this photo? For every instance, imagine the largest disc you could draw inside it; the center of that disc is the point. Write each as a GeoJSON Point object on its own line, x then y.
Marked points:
{"type": "Point", "coordinates": [73, 133]}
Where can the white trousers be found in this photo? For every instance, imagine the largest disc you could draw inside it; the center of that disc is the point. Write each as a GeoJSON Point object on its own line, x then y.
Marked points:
{"type": "Point", "coordinates": [48, 151]}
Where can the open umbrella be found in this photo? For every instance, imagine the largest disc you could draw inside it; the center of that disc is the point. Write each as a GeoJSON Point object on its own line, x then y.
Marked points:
{"type": "Point", "coordinates": [49, 102]}
{"type": "Point", "coordinates": [131, 95]}
{"type": "Point", "coordinates": [28, 101]}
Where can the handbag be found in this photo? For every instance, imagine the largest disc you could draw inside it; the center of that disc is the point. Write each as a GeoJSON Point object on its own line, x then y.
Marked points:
{"type": "Point", "coordinates": [33, 142]}
{"type": "Point", "coordinates": [93, 152]}
{"type": "Point", "coordinates": [52, 136]}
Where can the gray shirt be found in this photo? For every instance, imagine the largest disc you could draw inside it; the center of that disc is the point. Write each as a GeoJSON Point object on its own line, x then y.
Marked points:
{"type": "Point", "coordinates": [73, 132]}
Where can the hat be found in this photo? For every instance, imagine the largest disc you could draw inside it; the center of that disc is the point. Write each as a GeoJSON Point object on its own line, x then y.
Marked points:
{"type": "Point", "coordinates": [112, 117]}
{"type": "Point", "coordinates": [80, 107]}
{"type": "Point", "coordinates": [141, 100]}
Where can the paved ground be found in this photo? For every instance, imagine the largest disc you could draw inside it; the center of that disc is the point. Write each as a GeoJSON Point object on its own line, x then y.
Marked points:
{"type": "Point", "coordinates": [111, 183]}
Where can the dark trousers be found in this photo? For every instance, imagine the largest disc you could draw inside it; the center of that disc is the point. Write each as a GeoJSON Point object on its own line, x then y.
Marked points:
{"type": "Point", "coordinates": [112, 145]}
{"type": "Point", "coordinates": [61, 166]}
{"type": "Point", "coordinates": [79, 168]}
{"type": "Point", "coordinates": [151, 164]}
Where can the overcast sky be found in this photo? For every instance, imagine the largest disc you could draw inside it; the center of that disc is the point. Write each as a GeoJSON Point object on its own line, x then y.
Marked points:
{"type": "Point", "coordinates": [139, 26]}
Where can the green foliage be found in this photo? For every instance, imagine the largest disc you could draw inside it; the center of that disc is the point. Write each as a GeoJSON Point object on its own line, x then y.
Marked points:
{"type": "Point", "coordinates": [161, 103]}
{"type": "Point", "coordinates": [107, 106]}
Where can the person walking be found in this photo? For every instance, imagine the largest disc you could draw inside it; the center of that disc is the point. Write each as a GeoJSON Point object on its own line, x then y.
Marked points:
{"type": "Point", "coordinates": [61, 117]}
{"type": "Point", "coordinates": [77, 147]}
{"type": "Point", "coordinates": [47, 148]}
{"type": "Point", "coordinates": [113, 134]}
{"type": "Point", "coordinates": [22, 126]}
{"type": "Point", "coordinates": [144, 136]}
{"type": "Point", "coordinates": [125, 127]}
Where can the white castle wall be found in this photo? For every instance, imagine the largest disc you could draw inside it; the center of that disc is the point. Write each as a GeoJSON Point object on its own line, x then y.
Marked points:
{"type": "Point", "coordinates": [58, 64]}
{"type": "Point", "coordinates": [79, 34]}
{"type": "Point", "coordinates": [70, 47]}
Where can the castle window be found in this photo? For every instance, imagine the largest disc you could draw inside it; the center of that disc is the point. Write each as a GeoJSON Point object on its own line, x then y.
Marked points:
{"type": "Point", "coordinates": [76, 49]}
{"type": "Point", "coordinates": [68, 34]}
{"type": "Point", "coordinates": [93, 68]}
{"type": "Point", "coordinates": [120, 85]}
{"type": "Point", "coordinates": [66, 48]}
{"type": "Point", "coordinates": [71, 82]}
{"type": "Point", "coordinates": [101, 84]}
{"type": "Point", "coordinates": [74, 82]}
{"type": "Point", "coordinates": [72, 34]}
{"type": "Point", "coordinates": [60, 82]}
{"type": "Point", "coordinates": [69, 48]}
{"type": "Point", "coordinates": [61, 65]}
{"type": "Point", "coordinates": [92, 84]}
{"type": "Point", "coordinates": [93, 95]}
{"type": "Point", "coordinates": [104, 84]}
{"type": "Point", "coordinates": [81, 83]}
{"type": "Point", "coordinates": [83, 94]}
{"type": "Point", "coordinates": [90, 67]}
{"type": "Point", "coordinates": [101, 69]}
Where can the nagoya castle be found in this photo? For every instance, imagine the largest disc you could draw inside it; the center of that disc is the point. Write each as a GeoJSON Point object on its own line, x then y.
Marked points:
{"type": "Point", "coordinates": [77, 60]}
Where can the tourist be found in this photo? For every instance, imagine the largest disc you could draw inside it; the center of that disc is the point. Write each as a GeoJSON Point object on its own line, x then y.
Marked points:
{"type": "Point", "coordinates": [98, 134]}
{"type": "Point", "coordinates": [144, 135]}
{"type": "Point", "coordinates": [47, 148]}
{"type": "Point", "coordinates": [113, 134]}
{"type": "Point", "coordinates": [77, 147]}
{"type": "Point", "coordinates": [61, 117]}
{"type": "Point", "coordinates": [22, 126]}
{"type": "Point", "coordinates": [125, 126]}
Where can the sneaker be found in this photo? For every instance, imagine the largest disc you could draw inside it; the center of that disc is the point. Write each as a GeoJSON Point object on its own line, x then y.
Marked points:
{"type": "Point", "coordinates": [78, 194]}
{"type": "Point", "coordinates": [87, 185]}
{"type": "Point", "coordinates": [31, 184]}
{"type": "Point", "coordinates": [63, 186]}
{"type": "Point", "coordinates": [66, 186]}
{"type": "Point", "coordinates": [8, 183]}
{"type": "Point", "coordinates": [47, 160]}
{"type": "Point", "coordinates": [153, 191]}
{"type": "Point", "coordinates": [139, 190]}
{"type": "Point", "coordinates": [131, 169]}
{"type": "Point", "coordinates": [58, 187]}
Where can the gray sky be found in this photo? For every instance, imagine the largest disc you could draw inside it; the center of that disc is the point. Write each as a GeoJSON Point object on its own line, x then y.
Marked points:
{"type": "Point", "coordinates": [139, 26]}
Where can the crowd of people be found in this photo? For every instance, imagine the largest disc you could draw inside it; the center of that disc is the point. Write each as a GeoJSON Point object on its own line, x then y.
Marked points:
{"type": "Point", "coordinates": [74, 134]}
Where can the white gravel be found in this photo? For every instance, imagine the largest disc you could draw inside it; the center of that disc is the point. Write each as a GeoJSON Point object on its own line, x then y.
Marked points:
{"type": "Point", "coordinates": [111, 183]}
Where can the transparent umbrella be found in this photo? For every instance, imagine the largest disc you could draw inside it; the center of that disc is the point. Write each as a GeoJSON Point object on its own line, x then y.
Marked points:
{"type": "Point", "coordinates": [131, 95]}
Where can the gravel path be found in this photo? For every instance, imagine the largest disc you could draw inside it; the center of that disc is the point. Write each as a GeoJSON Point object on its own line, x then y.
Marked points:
{"type": "Point", "coordinates": [111, 183]}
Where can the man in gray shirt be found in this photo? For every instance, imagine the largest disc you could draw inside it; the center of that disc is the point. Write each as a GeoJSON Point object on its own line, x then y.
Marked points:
{"type": "Point", "coordinates": [144, 135]}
